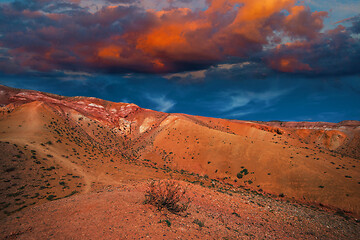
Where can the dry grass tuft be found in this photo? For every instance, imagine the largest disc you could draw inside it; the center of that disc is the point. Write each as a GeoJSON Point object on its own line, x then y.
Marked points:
{"type": "Point", "coordinates": [167, 194]}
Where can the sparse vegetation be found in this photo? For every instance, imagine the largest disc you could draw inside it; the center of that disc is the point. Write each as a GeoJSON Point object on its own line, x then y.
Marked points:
{"type": "Point", "coordinates": [38, 177]}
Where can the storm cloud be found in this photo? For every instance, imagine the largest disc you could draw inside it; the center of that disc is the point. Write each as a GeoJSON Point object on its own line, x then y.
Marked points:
{"type": "Point", "coordinates": [125, 37]}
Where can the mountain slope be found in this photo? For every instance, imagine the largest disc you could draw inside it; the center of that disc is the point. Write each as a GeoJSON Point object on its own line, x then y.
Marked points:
{"type": "Point", "coordinates": [55, 147]}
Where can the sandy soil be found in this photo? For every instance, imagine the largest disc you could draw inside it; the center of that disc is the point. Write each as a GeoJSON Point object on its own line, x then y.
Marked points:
{"type": "Point", "coordinates": [119, 213]}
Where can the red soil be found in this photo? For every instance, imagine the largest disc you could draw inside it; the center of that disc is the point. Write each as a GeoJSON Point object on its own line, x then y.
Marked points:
{"type": "Point", "coordinates": [119, 213]}
{"type": "Point", "coordinates": [70, 149]}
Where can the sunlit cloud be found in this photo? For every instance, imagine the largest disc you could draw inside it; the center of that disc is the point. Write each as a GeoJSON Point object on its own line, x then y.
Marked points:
{"type": "Point", "coordinates": [339, 10]}
{"type": "Point", "coordinates": [229, 66]}
{"type": "Point", "coordinates": [180, 39]}
{"type": "Point", "coordinates": [184, 76]}
{"type": "Point", "coordinates": [132, 36]}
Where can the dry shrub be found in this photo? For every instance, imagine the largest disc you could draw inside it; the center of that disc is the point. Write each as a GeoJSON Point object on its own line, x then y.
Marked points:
{"type": "Point", "coordinates": [167, 194]}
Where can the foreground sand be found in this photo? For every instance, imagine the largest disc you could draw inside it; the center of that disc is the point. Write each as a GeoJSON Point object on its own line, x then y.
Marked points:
{"type": "Point", "coordinates": [119, 213]}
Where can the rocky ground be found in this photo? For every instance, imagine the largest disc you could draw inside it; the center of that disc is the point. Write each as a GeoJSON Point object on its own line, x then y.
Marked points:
{"type": "Point", "coordinates": [119, 212]}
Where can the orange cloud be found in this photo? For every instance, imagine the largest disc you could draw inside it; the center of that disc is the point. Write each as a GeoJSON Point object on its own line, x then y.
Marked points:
{"type": "Point", "coordinates": [289, 64]}
{"type": "Point", "coordinates": [301, 22]}
{"type": "Point", "coordinates": [118, 38]}
{"type": "Point", "coordinates": [183, 35]}
{"type": "Point", "coordinates": [255, 10]}
{"type": "Point", "coordinates": [110, 52]}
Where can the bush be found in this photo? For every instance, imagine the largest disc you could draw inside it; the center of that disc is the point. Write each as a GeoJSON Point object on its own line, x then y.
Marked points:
{"type": "Point", "coordinates": [198, 222]}
{"type": "Point", "coordinates": [51, 197]}
{"type": "Point", "coordinates": [242, 173]}
{"type": "Point", "coordinates": [168, 223]}
{"type": "Point", "coordinates": [167, 194]}
{"type": "Point", "coordinates": [10, 169]}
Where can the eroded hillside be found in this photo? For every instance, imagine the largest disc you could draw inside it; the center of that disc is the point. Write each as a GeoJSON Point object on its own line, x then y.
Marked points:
{"type": "Point", "coordinates": [54, 147]}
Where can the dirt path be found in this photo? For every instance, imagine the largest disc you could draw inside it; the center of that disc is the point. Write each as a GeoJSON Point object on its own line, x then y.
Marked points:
{"type": "Point", "coordinates": [74, 168]}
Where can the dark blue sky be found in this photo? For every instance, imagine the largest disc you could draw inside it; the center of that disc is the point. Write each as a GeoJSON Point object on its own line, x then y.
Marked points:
{"type": "Point", "coordinates": [228, 59]}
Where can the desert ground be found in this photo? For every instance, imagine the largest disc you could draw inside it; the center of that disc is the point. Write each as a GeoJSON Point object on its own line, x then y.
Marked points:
{"type": "Point", "coordinates": [79, 168]}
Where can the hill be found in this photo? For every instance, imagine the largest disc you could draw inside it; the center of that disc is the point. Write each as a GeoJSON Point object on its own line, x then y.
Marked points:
{"type": "Point", "coordinates": [58, 152]}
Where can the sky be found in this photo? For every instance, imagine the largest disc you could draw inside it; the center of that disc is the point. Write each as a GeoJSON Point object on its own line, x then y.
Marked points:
{"type": "Point", "coordinates": [258, 60]}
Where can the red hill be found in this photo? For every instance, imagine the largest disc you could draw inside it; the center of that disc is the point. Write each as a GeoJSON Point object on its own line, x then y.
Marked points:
{"type": "Point", "coordinates": [55, 147]}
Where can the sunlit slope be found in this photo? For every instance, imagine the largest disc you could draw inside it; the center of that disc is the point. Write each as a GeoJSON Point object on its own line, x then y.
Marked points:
{"type": "Point", "coordinates": [55, 146]}
{"type": "Point", "coordinates": [51, 152]}
{"type": "Point", "coordinates": [342, 137]}
{"type": "Point", "coordinates": [258, 159]}
{"type": "Point", "coordinates": [33, 170]}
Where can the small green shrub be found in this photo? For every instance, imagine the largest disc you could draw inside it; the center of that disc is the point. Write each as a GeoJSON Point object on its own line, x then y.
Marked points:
{"type": "Point", "coordinates": [242, 173]}
{"type": "Point", "coordinates": [198, 222]}
{"type": "Point", "coordinates": [51, 197]}
{"type": "Point", "coordinates": [168, 223]}
{"type": "Point", "coordinates": [236, 214]}
{"type": "Point", "coordinates": [10, 169]}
